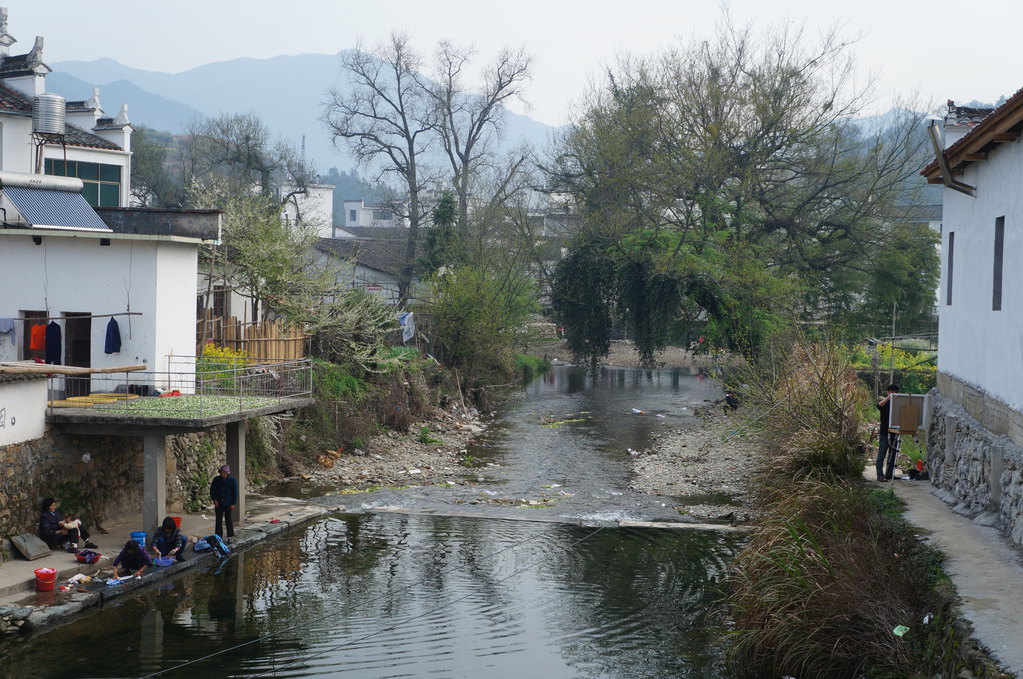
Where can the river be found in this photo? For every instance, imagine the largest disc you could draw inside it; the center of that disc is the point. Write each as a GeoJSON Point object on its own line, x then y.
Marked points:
{"type": "Point", "coordinates": [391, 595]}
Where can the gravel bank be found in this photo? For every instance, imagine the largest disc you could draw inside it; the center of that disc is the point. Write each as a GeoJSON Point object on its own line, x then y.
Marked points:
{"type": "Point", "coordinates": [706, 471]}
{"type": "Point", "coordinates": [393, 459]}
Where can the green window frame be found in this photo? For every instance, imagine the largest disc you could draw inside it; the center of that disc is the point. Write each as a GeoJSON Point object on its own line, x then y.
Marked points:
{"type": "Point", "coordinates": [101, 182]}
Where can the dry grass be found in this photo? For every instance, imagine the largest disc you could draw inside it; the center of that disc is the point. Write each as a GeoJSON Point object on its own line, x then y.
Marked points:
{"type": "Point", "coordinates": [831, 571]}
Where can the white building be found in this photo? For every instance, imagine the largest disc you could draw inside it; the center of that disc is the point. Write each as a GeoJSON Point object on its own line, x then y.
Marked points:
{"type": "Point", "coordinates": [978, 431]}
{"type": "Point", "coordinates": [362, 213]}
{"type": "Point", "coordinates": [71, 253]}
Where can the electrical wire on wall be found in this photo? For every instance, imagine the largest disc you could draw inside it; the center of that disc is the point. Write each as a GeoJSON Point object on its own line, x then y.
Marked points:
{"type": "Point", "coordinates": [128, 282]}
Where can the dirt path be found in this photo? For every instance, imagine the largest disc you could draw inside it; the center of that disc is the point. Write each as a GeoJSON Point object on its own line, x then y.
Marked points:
{"type": "Point", "coordinates": [985, 570]}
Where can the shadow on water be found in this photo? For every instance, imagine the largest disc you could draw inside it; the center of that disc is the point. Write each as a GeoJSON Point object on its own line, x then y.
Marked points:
{"type": "Point", "coordinates": [378, 596]}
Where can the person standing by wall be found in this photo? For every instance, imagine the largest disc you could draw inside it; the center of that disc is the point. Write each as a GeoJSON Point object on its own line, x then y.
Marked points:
{"type": "Point", "coordinates": [886, 447]}
{"type": "Point", "coordinates": [224, 493]}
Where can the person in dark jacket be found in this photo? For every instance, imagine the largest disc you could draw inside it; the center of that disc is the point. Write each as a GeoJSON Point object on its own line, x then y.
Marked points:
{"type": "Point", "coordinates": [133, 559]}
{"type": "Point", "coordinates": [888, 442]}
{"type": "Point", "coordinates": [168, 540]}
{"type": "Point", "coordinates": [53, 532]}
{"type": "Point", "coordinates": [224, 493]}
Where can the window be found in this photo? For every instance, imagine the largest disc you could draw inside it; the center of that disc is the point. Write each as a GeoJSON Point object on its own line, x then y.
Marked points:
{"type": "Point", "coordinates": [352, 218]}
{"type": "Point", "coordinates": [948, 267]}
{"type": "Point", "coordinates": [382, 215]}
{"type": "Point", "coordinates": [996, 285]}
{"type": "Point", "coordinates": [101, 183]}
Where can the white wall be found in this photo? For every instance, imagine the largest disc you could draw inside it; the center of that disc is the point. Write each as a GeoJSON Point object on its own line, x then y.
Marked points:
{"type": "Point", "coordinates": [77, 274]}
{"type": "Point", "coordinates": [22, 411]}
{"type": "Point", "coordinates": [17, 144]}
{"type": "Point", "coordinates": [316, 207]}
{"type": "Point", "coordinates": [976, 344]}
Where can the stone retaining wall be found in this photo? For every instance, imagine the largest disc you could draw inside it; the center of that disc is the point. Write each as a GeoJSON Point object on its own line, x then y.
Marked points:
{"type": "Point", "coordinates": [108, 485]}
{"type": "Point", "coordinates": [979, 472]}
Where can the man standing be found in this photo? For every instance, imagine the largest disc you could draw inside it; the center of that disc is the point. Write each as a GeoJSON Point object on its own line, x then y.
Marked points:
{"type": "Point", "coordinates": [888, 444]}
{"type": "Point", "coordinates": [224, 493]}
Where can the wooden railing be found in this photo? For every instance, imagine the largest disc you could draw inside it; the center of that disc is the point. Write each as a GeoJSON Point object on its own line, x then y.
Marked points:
{"type": "Point", "coordinates": [269, 340]}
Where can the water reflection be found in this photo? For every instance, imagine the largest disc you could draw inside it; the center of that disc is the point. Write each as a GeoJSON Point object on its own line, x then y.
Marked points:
{"type": "Point", "coordinates": [400, 596]}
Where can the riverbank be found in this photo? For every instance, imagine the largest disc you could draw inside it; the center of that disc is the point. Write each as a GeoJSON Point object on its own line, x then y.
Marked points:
{"type": "Point", "coordinates": [706, 471]}
{"type": "Point", "coordinates": [435, 450]}
{"type": "Point", "coordinates": [623, 355]}
{"type": "Point", "coordinates": [23, 609]}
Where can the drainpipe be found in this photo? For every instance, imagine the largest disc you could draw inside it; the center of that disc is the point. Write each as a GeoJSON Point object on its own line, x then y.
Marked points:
{"type": "Point", "coordinates": [946, 174]}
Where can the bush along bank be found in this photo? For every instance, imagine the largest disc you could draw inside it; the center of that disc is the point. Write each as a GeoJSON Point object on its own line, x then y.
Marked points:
{"type": "Point", "coordinates": [834, 583]}
{"type": "Point", "coordinates": [408, 406]}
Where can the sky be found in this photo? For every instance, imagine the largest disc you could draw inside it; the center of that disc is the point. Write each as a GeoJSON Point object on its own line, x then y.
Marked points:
{"type": "Point", "coordinates": [934, 50]}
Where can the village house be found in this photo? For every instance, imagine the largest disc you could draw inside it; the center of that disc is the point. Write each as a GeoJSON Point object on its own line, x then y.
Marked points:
{"type": "Point", "coordinates": [975, 443]}
{"type": "Point", "coordinates": [103, 294]}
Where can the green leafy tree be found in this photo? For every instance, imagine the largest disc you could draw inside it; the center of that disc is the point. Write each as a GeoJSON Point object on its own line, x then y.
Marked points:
{"type": "Point", "coordinates": [443, 245]}
{"type": "Point", "coordinates": [726, 180]}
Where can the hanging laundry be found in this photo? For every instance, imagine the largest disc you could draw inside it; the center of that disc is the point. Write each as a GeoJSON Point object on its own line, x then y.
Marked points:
{"type": "Point", "coordinates": [37, 338]}
{"type": "Point", "coordinates": [113, 343]}
{"type": "Point", "coordinates": [53, 343]}
{"type": "Point", "coordinates": [7, 326]}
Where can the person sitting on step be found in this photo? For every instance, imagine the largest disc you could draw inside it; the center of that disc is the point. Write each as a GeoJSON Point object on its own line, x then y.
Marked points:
{"type": "Point", "coordinates": [54, 530]}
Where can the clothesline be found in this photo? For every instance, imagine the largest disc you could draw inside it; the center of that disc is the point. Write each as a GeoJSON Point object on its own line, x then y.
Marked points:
{"type": "Point", "coordinates": [66, 318]}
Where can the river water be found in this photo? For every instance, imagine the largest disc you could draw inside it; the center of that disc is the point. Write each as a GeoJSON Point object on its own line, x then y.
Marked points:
{"type": "Point", "coordinates": [392, 595]}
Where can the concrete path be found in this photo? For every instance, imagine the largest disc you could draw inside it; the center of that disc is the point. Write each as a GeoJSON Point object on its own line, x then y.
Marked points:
{"type": "Point", "coordinates": [987, 572]}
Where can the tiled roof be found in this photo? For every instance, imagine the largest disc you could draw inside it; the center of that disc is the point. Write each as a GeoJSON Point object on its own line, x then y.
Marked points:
{"type": "Point", "coordinates": [380, 232]}
{"type": "Point", "coordinates": [76, 136]}
{"type": "Point", "coordinates": [78, 107]}
{"type": "Point", "coordinates": [383, 255]}
{"type": "Point", "coordinates": [995, 128]}
{"type": "Point", "coordinates": [7, 378]}
{"type": "Point", "coordinates": [14, 101]}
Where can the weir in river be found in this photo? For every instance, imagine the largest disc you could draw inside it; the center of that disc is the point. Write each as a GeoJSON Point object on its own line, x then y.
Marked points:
{"type": "Point", "coordinates": [387, 595]}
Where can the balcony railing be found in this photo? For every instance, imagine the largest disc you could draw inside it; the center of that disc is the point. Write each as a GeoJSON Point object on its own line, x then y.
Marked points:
{"type": "Point", "coordinates": [191, 388]}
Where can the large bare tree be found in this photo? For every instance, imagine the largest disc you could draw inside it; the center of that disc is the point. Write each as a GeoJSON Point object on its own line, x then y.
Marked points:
{"type": "Point", "coordinates": [469, 120]}
{"type": "Point", "coordinates": [385, 119]}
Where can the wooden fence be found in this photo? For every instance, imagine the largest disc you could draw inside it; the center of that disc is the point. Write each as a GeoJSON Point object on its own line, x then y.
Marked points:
{"type": "Point", "coordinates": [269, 340]}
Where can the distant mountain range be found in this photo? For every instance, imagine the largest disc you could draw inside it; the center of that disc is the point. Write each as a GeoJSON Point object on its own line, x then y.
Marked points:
{"type": "Point", "coordinates": [286, 92]}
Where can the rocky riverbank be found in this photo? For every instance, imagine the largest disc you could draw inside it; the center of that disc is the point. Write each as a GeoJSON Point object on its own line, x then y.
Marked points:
{"type": "Point", "coordinates": [433, 451]}
{"type": "Point", "coordinates": [706, 471]}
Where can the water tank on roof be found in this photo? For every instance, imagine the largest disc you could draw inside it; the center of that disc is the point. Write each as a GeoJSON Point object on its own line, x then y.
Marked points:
{"type": "Point", "coordinates": [48, 114]}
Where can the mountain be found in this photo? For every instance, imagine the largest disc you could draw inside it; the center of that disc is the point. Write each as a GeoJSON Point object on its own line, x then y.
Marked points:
{"type": "Point", "coordinates": [286, 92]}
{"type": "Point", "coordinates": [144, 107]}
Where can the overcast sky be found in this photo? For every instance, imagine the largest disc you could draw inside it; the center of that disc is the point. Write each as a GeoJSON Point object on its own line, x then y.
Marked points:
{"type": "Point", "coordinates": [939, 49]}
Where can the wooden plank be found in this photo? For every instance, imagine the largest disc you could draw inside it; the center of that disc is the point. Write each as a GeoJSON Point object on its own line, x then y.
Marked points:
{"type": "Point", "coordinates": [1006, 137]}
{"type": "Point", "coordinates": [18, 368]}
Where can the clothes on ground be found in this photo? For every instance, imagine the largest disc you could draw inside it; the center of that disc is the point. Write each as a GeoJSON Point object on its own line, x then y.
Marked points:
{"type": "Point", "coordinates": [164, 543]}
{"type": "Point", "coordinates": [113, 342]}
{"type": "Point", "coordinates": [7, 327]}
{"type": "Point", "coordinates": [37, 338]}
{"type": "Point", "coordinates": [53, 343]}
{"type": "Point", "coordinates": [132, 561]}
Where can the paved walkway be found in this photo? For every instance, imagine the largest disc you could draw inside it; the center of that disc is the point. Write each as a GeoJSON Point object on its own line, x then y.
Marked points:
{"type": "Point", "coordinates": [265, 516]}
{"type": "Point", "coordinates": [987, 572]}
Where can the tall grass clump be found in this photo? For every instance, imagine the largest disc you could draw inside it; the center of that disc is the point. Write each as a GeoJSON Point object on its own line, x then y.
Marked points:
{"type": "Point", "coordinates": [820, 588]}
{"type": "Point", "coordinates": [808, 403]}
{"type": "Point", "coordinates": [831, 570]}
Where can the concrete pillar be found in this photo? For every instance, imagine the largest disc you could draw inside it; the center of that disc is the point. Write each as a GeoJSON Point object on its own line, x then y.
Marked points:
{"type": "Point", "coordinates": [236, 459]}
{"type": "Point", "coordinates": [154, 482]}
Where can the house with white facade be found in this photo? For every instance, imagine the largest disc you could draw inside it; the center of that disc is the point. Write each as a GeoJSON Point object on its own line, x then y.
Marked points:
{"type": "Point", "coordinates": [73, 258]}
{"type": "Point", "coordinates": [975, 443]}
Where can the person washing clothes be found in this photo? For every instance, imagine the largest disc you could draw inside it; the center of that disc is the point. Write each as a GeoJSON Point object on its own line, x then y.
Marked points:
{"type": "Point", "coordinates": [224, 493]}
{"type": "Point", "coordinates": [168, 540]}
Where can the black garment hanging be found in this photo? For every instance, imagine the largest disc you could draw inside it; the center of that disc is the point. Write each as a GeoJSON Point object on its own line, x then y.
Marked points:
{"type": "Point", "coordinates": [113, 343]}
{"type": "Point", "coordinates": [53, 342]}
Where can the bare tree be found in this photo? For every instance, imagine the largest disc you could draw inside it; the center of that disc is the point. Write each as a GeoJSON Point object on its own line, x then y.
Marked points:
{"type": "Point", "coordinates": [469, 120]}
{"type": "Point", "coordinates": [385, 119]}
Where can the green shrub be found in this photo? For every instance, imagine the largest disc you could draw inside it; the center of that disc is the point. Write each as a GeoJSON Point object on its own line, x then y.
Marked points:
{"type": "Point", "coordinates": [528, 366]}
{"type": "Point", "coordinates": [424, 436]}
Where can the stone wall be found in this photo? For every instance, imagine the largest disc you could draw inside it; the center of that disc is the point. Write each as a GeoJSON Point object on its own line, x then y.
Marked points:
{"type": "Point", "coordinates": [978, 471]}
{"type": "Point", "coordinates": [106, 487]}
